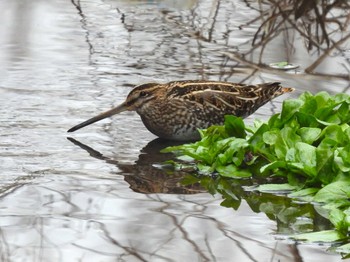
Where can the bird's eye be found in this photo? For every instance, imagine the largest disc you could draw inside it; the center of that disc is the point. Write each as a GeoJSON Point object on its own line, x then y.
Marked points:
{"type": "Point", "coordinates": [143, 94]}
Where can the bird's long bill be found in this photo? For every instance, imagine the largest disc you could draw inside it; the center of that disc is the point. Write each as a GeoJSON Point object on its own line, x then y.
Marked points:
{"type": "Point", "coordinates": [99, 117]}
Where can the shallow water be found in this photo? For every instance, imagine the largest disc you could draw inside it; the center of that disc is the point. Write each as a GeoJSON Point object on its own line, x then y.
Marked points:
{"type": "Point", "coordinates": [101, 196]}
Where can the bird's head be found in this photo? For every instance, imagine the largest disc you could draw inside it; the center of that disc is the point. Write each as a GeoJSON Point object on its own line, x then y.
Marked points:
{"type": "Point", "coordinates": [140, 95]}
{"type": "Point", "coordinates": [135, 100]}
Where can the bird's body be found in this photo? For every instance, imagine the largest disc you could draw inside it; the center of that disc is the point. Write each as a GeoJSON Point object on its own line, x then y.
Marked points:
{"type": "Point", "coordinates": [176, 110]}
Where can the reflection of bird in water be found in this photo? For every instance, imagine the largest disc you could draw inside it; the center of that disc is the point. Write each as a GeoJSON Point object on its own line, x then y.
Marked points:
{"type": "Point", "coordinates": [143, 176]}
{"type": "Point", "coordinates": [177, 109]}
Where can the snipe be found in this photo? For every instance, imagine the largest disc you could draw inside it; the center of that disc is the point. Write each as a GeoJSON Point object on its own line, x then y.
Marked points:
{"type": "Point", "coordinates": [176, 110]}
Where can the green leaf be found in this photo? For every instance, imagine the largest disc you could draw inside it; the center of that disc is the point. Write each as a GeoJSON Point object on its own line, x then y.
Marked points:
{"type": "Point", "coordinates": [289, 107]}
{"type": "Point", "coordinates": [285, 141]}
{"type": "Point", "coordinates": [310, 104]}
{"type": "Point", "coordinates": [338, 190]}
{"type": "Point", "coordinates": [202, 153]}
{"type": "Point", "coordinates": [256, 140]}
{"type": "Point", "coordinates": [204, 169]}
{"type": "Point", "coordinates": [342, 159]}
{"type": "Point", "coordinates": [306, 155]}
{"type": "Point", "coordinates": [338, 219]}
{"type": "Point", "coordinates": [233, 172]}
{"type": "Point", "coordinates": [322, 99]}
{"type": "Point", "coordinates": [289, 136]}
{"type": "Point", "coordinates": [235, 126]}
{"type": "Point", "coordinates": [233, 151]}
{"type": "Point", "coordinates": [281, 64]}
{"type": "Point", "coordinates": [272, 166]}
{"type": "Point", "coordinates": [276, 187]}
{"type": "Point", "coordinates": [345, 249]}
{"type": "Point", "coordinates": [323, 114]}
{"type": "Point", "coordinates": [342, 97]}
{"type": "Point", "coordinates": [344, 112]}
{"type": "Point", "coordinates": [290, 155]}
{"type": "Point", "coordinates": [322, 236]}
{"type": "Point", "coordinates": [306, 120]}
{"type": "Point", "coordinates": [306, 194]}
{"type": "Point", "coordinates": [334, 119]}
{"type": "Point", "coordinates": [324, 166]}
{"type": "Point", "coordinates": [309, 134]}
{"type": "Point", "coordinates": [185, 158]}
{"type": "Point", "coordinates": [209, 184]}
{"type": "Point", "coordinates": [334, 135]}
{"type": "Point", "coordinates": [231, 198]}
{"type": "Point", "coordinates": [189, 180]}
{"type": "Point", "coordinates": [306, 96]}
{"type": "Point", "coordinates": [275, 121]}
{"type": "Point", "coordinates": [170, 149]}
{"type": "Point", "coordinates": [270, 137]}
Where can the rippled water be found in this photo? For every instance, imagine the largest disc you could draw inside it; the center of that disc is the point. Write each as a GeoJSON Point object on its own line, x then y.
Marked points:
{"type": "Point", "coordinates": [100, 195]}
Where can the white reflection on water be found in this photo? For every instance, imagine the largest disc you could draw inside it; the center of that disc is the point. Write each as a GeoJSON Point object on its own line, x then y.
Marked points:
{"type": "Point", "coordinates": [89, 218]}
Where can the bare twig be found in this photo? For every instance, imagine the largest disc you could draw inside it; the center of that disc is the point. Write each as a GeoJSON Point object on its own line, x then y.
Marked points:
{"type": "Point", "coordinates": [315, 64]}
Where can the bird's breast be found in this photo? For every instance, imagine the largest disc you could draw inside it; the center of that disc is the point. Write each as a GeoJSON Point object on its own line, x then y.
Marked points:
{"type": "Point", "coordinates": [178, 120]}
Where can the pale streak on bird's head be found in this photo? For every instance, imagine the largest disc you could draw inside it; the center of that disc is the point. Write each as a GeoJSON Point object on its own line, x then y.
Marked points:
{"type": "Point", "coordinates": [141, 95]}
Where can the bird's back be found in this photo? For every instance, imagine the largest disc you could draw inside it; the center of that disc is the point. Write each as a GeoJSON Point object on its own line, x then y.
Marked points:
{"type": "Point", "coordinates": [225, 97]}
{"type": "Point", "coordinates": [182, 107]}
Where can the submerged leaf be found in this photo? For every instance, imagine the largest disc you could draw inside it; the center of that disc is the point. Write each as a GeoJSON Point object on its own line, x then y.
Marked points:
{"type": "Point", "coordinates": [304, 193]}
{"type": "Point", "coordinates": [322, 236]}
{"type": "Point", "coordinates": [233, 172]}
{"type": "Point", "coordinates": [344, 249]}
{"type": "Point", "coordinates": [276, 187]}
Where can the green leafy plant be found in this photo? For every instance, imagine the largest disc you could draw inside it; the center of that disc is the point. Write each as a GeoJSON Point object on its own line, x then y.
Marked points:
{"type": "Point", "coordinates": [306, 146]}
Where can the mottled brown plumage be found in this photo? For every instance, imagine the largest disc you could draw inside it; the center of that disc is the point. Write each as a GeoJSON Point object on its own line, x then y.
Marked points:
{"type": "Point", "coordinates": [176, 110]}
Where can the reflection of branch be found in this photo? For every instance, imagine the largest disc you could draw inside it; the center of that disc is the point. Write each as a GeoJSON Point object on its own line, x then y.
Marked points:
{"type": "Point", "coordinates": [315, 64]}
{"type": "Point", "coordinates": [311, 19]}
{"type": "Point", "coordinates": [20, 181]}
{"type": "Point", "coordinates": [296, 27]}
{"type": "Point", "coordinates": [179, 226]}
{"type": "Point", "coordinates": [112, 240]}
{"type": "Point", "coordinates": [211, 29]}
{"type": "Point", "coordinates": [4, 247]}
{"type": "Point", "coordinates": [84, 26]}
{"type": "Point", "coordinates": [346, 89]}
{"type": "Point", "coordinates": [264, 68]}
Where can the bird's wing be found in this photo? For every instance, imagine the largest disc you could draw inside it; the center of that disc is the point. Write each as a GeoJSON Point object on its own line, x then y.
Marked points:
{"type": "Point", "coordinates": [230, 98]}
